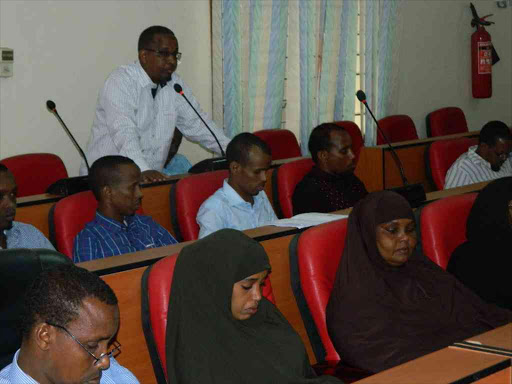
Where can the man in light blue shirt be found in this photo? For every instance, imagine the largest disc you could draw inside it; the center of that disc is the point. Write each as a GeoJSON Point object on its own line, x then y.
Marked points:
{"type": "Point", "coordinates": [70, 318]}
{"type": "Point", "coordinates": [241, 203]}
{"type": "Point", "coordinates": [14, 234]}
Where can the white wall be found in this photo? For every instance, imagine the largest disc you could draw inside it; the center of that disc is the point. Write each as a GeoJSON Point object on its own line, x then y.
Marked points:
{"type": "Point", "coordinates": [64, 50]}
{"type": "Point", "coordinates": [435, 61]}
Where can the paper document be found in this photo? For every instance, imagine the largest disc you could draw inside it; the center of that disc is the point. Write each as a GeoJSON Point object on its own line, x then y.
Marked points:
{"type": "Point", "coordinates": [308, 220]}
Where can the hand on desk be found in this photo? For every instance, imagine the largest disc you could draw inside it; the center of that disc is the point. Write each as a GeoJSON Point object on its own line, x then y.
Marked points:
{"type": "Point", "coordinates": [151, 176]}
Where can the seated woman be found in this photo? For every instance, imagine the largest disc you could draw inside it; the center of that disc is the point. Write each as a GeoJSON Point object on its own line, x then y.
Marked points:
{"type": "Point", "coordinates": [390, 304]}
{"type": "Point", "coordinates": [219, 327]}
{"type": "Point", "coordinates": [482, 263]}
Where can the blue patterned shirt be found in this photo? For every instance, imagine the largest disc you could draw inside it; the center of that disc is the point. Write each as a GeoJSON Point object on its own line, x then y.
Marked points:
{"type": "Point", "coordinates": [116, 374]}
{"type": "Point", "coordinates": [23, 235]}
{"type": "Point", "coordinates": [226, 209]}
{"type": "Point", "coordinates": [104, 237]}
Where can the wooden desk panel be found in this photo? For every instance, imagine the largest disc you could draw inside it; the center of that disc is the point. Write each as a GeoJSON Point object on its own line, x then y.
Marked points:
{"type": "Point", "coordinates": [500, 337]}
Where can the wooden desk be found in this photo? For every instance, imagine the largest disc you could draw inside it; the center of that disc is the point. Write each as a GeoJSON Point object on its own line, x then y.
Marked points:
{"type": "Point", "coordinates": [377, 169]}
{"type": "Point", "coordinates": [448, 366]}
{"type": "Point", "coordinates": [500, 338]}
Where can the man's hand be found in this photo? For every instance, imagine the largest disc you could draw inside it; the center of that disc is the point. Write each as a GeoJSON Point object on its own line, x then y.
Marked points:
{"type": "Point", "coordinates": [151, 176]}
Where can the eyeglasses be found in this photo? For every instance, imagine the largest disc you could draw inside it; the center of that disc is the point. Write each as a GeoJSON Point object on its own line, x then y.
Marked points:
{"type": "Point", "coordinates": [115, 349]}
{"type": "Point", "coordinates": [502, 156]}
{"type": "Point", "coordinates": [165, 54]}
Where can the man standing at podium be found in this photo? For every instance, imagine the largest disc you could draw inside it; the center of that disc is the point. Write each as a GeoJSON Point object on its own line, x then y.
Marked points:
{"type": "Point", "coordinates": [138, 109]}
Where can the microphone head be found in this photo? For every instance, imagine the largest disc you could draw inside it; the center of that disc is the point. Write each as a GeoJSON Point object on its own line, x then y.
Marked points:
{"type": "Point", "coordinates": [178, 88]}
{"type": "Point", "coordinates": [361, 96]}
{"type": "Point", "coordinates": [50, 105]}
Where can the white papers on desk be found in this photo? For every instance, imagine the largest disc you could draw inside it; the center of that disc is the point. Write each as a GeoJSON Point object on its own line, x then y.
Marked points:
{"type": "Point", "coordinates": [308, 220]}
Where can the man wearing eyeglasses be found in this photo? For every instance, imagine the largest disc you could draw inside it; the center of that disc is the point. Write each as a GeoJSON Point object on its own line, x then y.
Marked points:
{"type": "Point", "coordinates": [138, 109]}
{"type": "Point", "coordinates": [69, 321]}
{"type": "Point", "coordinates": [488, 160]}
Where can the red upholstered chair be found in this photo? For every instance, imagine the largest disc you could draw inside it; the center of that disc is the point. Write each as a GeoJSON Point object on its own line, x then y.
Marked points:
{"type": "Point", "coordinates": [282, 143]}
{"type": "Point", "coordinates": [441, 154]}
{"type": "Point", "coordinates": [355, 133]}
{"type": "Point", "coordinates": [397, 128]}
{"type": "Point", "coordinates": [446, 121]}
{"type": "Point", "coordinates": [443, 226]}
{"type": "Point", "coordinates": [35, 172]}
{"type": "Point", "coordinates": [187, 196]}
{"type": "Point", "coordinates": [156, 290]}
{"type": "Point", "coordinates": [69, 216]}
{"type": "Point", "coordinates": [285, 179]}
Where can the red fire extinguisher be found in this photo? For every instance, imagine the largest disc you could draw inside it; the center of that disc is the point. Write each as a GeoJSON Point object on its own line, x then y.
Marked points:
{"type": "Point", "coordinates": [482, 57]}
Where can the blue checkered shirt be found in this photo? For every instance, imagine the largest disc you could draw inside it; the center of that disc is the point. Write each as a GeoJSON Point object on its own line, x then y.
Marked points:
{"type": "Point", "coordinates": [23, 235]}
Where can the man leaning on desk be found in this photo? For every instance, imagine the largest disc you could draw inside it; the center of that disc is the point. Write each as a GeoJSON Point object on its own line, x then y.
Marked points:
{"type": "Point", "coordinates": [138, 109]}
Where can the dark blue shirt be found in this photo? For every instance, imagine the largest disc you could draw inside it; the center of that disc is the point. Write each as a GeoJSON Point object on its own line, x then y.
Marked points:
{"type": "Point", "coordinates": [104, 237]}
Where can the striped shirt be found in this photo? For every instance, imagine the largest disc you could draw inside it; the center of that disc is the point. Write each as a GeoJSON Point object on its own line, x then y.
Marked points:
{"type": "Point", "coordinates": [23, 235]}
{"type": "Point", "coordinates": [226, 209]}
{"type": "Point", "coordinates": [129, 122]}
{"type": "Point", "coordinates": [470, 168]}
{"type": "Point", "coordinates": [104, 237]}
{"type": "Point", "coordinates": [116, 374]}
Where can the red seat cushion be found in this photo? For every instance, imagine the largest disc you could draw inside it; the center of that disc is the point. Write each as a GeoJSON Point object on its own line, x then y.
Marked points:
{"type": "Point", "coordinates": [397, 128]}
{"type": "Point", "coordinates": [69, 216]}
{"type": "Point", "coordinates": [443, 226]}
{"type": "Point", "coordinates": [355, 133]}
{"type": "Point", "coordinates": [156, 290]}
{"type": "Point", "coordinates": [282, 143]}
{"type": "Point", "coordinates": [443, 153]}
{"type": "Point", "coordinates": [319, 251]}
{"type": "Point", "coordinates": [35, 172]}
{"type": "Point", "coordinates": [287, 177]}
{"type": "Point", "coordinates": [446, 121]}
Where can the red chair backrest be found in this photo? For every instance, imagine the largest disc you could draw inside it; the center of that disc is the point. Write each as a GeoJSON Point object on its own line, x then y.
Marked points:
{"type": "Point", "coordinates": [446, 121]}
{"type": "Point", "coordinates": [319, 252]}
{"type": "Point", "coordinates": [187, 196]}
{"type": "Point", "coordinates": [397, 128]}
{"type": "Point", "coordinates": [443, 153]}
{"type": "Point", "coordinates": [287, 177]}
{"type": "Point", "coordinates": [443, 226]}
{"type": "Point", "coordinates": [35, 172]}
{"type": "Point", "coordinates": [355, 133]}
{"type": "Point", "coordinates": [156, 290]}
{"type": "Point", "coordinates": [282, 143]}
{"type": "Point", "coordinates": [69, 216]}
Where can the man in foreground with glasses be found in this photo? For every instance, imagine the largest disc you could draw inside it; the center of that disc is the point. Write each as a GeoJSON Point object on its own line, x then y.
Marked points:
{"type": "Point", "coordinates": [138, 109]}
{"type": "Point", "coordinates": [488, 160]}
{"type": "Point", "coordinates": [69, 321]}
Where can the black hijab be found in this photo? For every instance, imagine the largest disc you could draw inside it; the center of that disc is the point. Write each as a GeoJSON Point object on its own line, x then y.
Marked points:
{"type": "Point", "coordinates": [205, 343]}
{"type": "Point", "coordinates": [379, 316]}
{"type": "Point", "coordinates": [483, 262]}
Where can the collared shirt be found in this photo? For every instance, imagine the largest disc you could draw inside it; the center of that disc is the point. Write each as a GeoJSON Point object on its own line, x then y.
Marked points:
{"type": "Point", "coordinates": [226, 209]}
{"type": "Point", "coordinates": [104, 237]}
{"type": "Point", "coordinates": [470, 168]}
{"type": "Point", "coordinates": [129, 122]}
{"type": "Point", "coordinates": [23, 235]}
{"type": "Point", "coordinates": [323, 192]}
{"type": "Point", "coordinates": [116, 374]}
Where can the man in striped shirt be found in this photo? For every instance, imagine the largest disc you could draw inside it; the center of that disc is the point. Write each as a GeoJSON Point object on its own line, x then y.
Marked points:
{"type": "Point", "coordinates": [488, 160]}
{"type": "Point", "coordinates": [117, 229]}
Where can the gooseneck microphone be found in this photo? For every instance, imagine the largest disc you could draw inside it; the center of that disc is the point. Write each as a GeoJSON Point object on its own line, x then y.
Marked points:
{"type": "Point", "coordinates": [206, 165]}
{"type": "Point", "coordinates": [69, 185]}
{"type": "Point", "coordinates": [414, 193]}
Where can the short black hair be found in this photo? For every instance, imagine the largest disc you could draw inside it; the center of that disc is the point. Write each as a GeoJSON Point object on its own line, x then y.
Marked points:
{"type": "Point", "coordinates": [3, 168]}
{"type": "Point", "coordinates": [320, 138]}
{"type": "Point", "coordinates": [56, 295]}
{"type": "Point", "coordinates": [494, 130]}
{"type": "Point", "coordinates": [238, 148]}
{"type": "Point", "coordinates": [105, 171]}
{"type": "Point", "coordinates": [147, 35]}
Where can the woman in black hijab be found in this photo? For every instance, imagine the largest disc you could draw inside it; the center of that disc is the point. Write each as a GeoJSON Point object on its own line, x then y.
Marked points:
{"type": "Point", "coordinates": [483, 262]}
{"type": "Point", "coordinates": [390, 304]}
{"type": "Point", "coordinates": [219, 327]}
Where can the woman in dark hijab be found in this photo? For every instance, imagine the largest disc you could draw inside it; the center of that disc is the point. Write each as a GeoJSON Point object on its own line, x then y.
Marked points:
{"type": "Point", "coordinates": [390, 304]}
{"type": "Point", "coordinates": [483, 262]}
{"type": "Point", "coordinates": [220, 329]}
